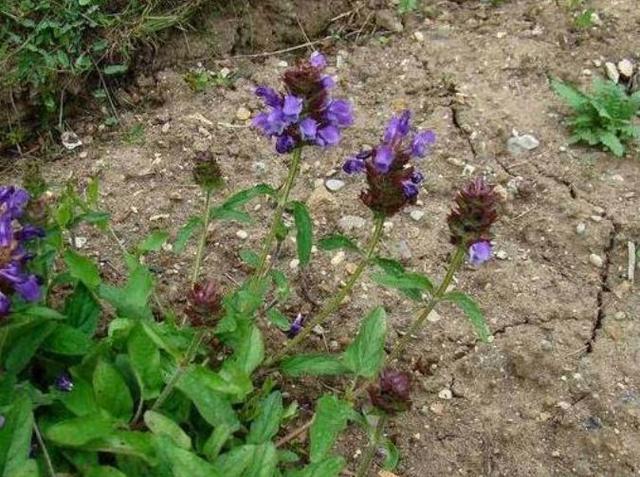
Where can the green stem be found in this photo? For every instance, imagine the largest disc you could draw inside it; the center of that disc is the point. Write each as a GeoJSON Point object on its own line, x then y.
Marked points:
{"type": "Point", "coordinates": [332, 305]}
{"type": "Point", "coordinates": [203, 238]}
{"type": "Point", "coordinates": [456, 261]}
{"type": "Point", "coordinates": [294, 168]}
{"type": "Point", "coordinates": [45, 453]}
{"type": "Point", "coordinates": [367, 460]}
{"type": "Point", "coordinates": [182, 367]}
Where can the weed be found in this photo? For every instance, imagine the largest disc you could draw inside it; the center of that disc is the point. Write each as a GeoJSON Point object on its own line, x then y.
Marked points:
{"type": "Point", "coordinates": [603, 117]}
{"type": "Point", "coordinates": [135, 134]}
{"type": "Point", "coordinates": [406, 6]}
{"type": "Point", "coordinates": [201, 79]}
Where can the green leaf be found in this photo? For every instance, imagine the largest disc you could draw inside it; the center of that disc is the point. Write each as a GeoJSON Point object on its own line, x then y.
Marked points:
{"type": "Point", "coordinates": [304, 235]}
{"type": "Point", "coordinates": [104, 471]}
{"type": "Point", "coordinates": [111, 391]}
{"type": "Point", "coordinates": [183, 463]}
{"type": "Point", "coordinates": [115, 69]}
{"type": "Point", "coordinates": [250, 258]}
{"type": "Point", "coordinates": [389, 266]}
{"type": "Point", "coordinates": [154, 241]}
{"type": "Point", "coordinates": [611, 141]}
{"type": "Point", "coordinates": [265, 426]}
{"type": "Point", "coordinates": [28, 469]}
{"type": "Point", "coordinates": [220, 213]}
{"type": "Point", "coordinates": [404, 281]}
{"type": "Point", "coordinates": [473, 312]}
{"type": "Point", "coordinates": [392, 455]}
{"type": "Point", "coordinates": [329, 421]}
{"type": "Point", "coordinates": [235, 462]}
{"type": "Point", "coordinates": [231, 380]}
{"type": "Point", "coordinates": [144, 357]}
{"type": "Point", "coordinates": [263, 462]}
{"type": "Point", "coordinates": [406, 6]}
{"type": "Point", "coordinates": [571, 95]}
{"type": "Point", "coordinates": [278, 319]}
{"type": "Point", "coordinates": [161, 425]}
{"type": "Point", "coordinates": [244, 196]}
{"type": "Point", "coordinates": [337, 241]}
{"type": "Point", "coordinates": [365, 355]}
{"type": "Point", "coordinates": [131, 301]}
{"type": "Point", "coordinates": [82, 310]}
{"type": "Point", "coordinates": [78, 431]}
{"type": "Point", "coordinates": [15, 435]}
{"type": "Point", "coordinates": [80, 400]}
{"type": "Point", "coordinates": [21, 350]}
{"type": "Point", "coordinates": [185, 233]}
{"type": "Point", "coordinates": [282, 285]}
{"type": "Point", "coordinates": [219, 436]}
{"type": "Point", "coordinates": [249, 351]}
{"type": "Point", "coordinates": [330, 467]}
{"type": "Point", "coordinates": [315, 364]}
{"type": "Point", "coordinates": [83, 269]}
{"type": "Point", "coordinates": [129, 443]}
{"type": "Point", "coordinates": [67, 340]}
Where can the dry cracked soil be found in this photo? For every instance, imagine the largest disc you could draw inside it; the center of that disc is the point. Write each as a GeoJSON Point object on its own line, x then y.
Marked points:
{"type": "Point", "coordinates": [557, 392]}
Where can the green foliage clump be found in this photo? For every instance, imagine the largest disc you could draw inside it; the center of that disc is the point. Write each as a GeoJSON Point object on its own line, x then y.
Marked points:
{"type": "Point", "coordinates": [605, 116]}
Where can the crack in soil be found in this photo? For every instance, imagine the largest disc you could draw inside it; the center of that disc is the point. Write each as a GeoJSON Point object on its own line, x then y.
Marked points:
{"type": "Point", "coordinates": [604, 277]}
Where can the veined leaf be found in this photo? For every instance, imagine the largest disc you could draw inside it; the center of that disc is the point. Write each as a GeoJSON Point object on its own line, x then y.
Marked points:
{"type": "Point", "coordinates": [365, 355]}
{"type": "Point", "coordinates": [329, 421]}
{"type": "Point", "coordinates": [315, 364]}
{"type": "Point", "coordinates": [304, 235]}
{"type": "Point", "coordinates": [473, 312]}
{"type": "Point", "coordinates": [337, 241]}
{"type": "Point", "coordinates": [154, 241]}
{"type": "Point", "coordinates": [185, 233]}
{"type": "Point", "coordinates": [82, 268]}
{"type": "Point", "coordinates": [15, 435]}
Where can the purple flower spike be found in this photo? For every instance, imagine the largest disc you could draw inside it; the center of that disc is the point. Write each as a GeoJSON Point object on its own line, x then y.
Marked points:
{"type": "Point", "coordinates": [64, 383]}
{"type": "Point", "coordinates": [308, 129]}
{"type": "Point", "coordinates": [383, 159]}
{"type": "Point", "coordinates": [285, 144]}
{"type": "Point", "coordinates": [292, 108]}
{"type": "Point", "coordinates": [5, 305]}
{"type": "Point", "coordinates": [6, 231]}
{"type": "Point", "coordinates": [353, 165]}
{"type": "Point", "coordinates": [340, 113]}
{"type": "Point", "coordinates": [328, 82]}
{"type": "Point", "coordinates": [480, 252]}
{"type": "Point", "coordinates": [421, 143]}
{"type": "Point", "coordinates": [318, 60]}
{"type": "Point", "coordinates": [270, 96]}
{"type": "Point", "coordinates": [296, 326]}
{"type": "Point", "coordinates": [410, 190]}
{"type": "Point", "coordinates": [29, 289]}
{"type": "Point", "coordinates": [328, 136]}
{"type": "Point", "coordinates": [417, 177]}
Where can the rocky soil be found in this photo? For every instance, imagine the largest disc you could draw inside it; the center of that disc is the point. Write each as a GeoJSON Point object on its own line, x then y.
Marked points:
{"type": "Point", "coordinates": [557, 392]}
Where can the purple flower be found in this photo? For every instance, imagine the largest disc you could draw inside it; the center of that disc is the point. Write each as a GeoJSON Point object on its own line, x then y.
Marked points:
{"type": "Point", "coordinates": [29, 232]}
{"type": "Point", "coordinates": [473, 214]}
{"type": "Point", "coordinates": [6, 230]}
{"type": "Point", "coordinates": [5, 305]}
{"type": "Point", "coordinates": [305, 113]}
{"type": "Point", "coordinates": [296, 326]}
{"type": "Point", "coordinates": [393, 181]}
{"type": "Point", "coordinates": [480, 252]}
{"type": "Point", "coordinates": [13, 200]}
{"type": "Point", "coordinates": [64, 382]}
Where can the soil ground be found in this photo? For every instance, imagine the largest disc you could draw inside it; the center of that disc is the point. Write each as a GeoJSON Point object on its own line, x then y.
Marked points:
{"type": "Point", "coordinates": [557, 392]}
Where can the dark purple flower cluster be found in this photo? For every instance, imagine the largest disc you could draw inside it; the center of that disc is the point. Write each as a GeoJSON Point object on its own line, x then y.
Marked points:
{"type": "Point", "coordinates": [392, 393]}
{"type": "Point", "coordinates": [305, 113]}
{"type": "Point", "coordinates": [13, 256]}
{"type": "Point", "coordinates": [471, 219]}
{"type": "Point", "coordinates": [205, 302]}
{"type": "Point", "coordinates": [393, 182]}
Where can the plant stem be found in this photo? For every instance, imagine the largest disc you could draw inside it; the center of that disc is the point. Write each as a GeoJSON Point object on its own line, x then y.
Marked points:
{"type": "Point", "coordinates": [454, 265]}
{"type": "Point", "coordinates": [45, 452]}
{"type": "Point", "coordinates": [294, 168]}
{"type": "Point", "coordinates": [203, 238]}
{"type": "Point", "coordinates": [182, 366]}
{"type": "Point", "coordinates": [367, 460]}
{"type": "Point", "coordinates": [332, 305]}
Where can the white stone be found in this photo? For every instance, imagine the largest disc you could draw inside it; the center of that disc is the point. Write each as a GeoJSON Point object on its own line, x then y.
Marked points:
{"type": "Point", "coordinates": [445, 394]}
{"type": "Point", "coordinates": [581, 228]}
{"type": "Point", "coordinates": [596, 260]}
{"type": "Point", "coordinates": [526, 142]}
{"type": "Point", "coordinates": [243, 113]}
{"type": "Point", "coordinates": [242, 234]}
{"type": "Point", "coordinates": [501, 255]}
{"type": "Point", "coordinates": [334, 185]}
{"type": "Point", "coordinates": [293, 264]}
{"type": "Point", "coordinates": [419, 36]}
{"type": "Point", "coordinates": [351, 222]}
{"type": "Point", "coordinates": [417, 215]}
{"type": "Point", "coordinates": [626, 68]}
{"type": "Point", "coordinates": [338, 258]}
{"type": "Point", "coordinates": [612, 71]}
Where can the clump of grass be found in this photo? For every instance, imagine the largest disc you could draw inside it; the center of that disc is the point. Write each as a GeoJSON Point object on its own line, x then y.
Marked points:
{"type": "Point", "coordinates": [603, 117]}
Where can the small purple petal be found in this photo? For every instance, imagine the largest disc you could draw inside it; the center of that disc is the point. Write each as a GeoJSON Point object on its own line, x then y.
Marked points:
{"type": "Point", "coordinates": [353, 165]}
{"type": "Point", "coordinates": [318, 60]}
{"type": "Point", "coordinates": [5, 305]}
{"type": "Point", "coordinates": [308, 129]}
{"type": "Point", "coordinates": [14, 200]}
{"type": "Point", "coordinates": [64, 383]}
{"type": "Point", "coordinates": [292, 108]}
{"type": "Point", "coordinates": [328, 136]}
{"type": "Point", "coordinates": [383, 159]}
{"type": "Point", "coordinates": [29, 289]}
{"type": "Point", "coordinates": [296, 326]}
{"type": "Point", "coordinates": [340, 113]}
{"type": "Point", "coordinates": [276, 122]}
{"type": "Point", "coordinates": [6, 230]}
{"type": "Point", "coordinates": [285, 144]}
{"type": "Point", "coordinates": [397, 128]}
{"type": "Point", "coordinates": [480, 252]}
{"type": "Point", "coordinates": [417, 177]}
{"type": "Point", "coordinates": [421, 143]}
{"type": "Point", "coordinates": [29, 232]}
{"type": "Point", "coordinates": [270, 96]}
{"type": "Point", "coordinates": [328, 82]}
{"type": "Point", "coordinates": [410, 189]}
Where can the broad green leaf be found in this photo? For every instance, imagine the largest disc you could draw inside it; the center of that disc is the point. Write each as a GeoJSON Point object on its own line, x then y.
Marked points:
{"type": "Point", "coordinates": [571, 95]}
{"type": "Point", "coordinates": [315, 364]}
{"type": "Point", "coordinates": [263, 462]}
{"type": "Point", "coordinates": [230, 380]}
{"type": "Point", "coordinates": [43, 312]}
{"type": "Point", "coordinates": [304, 235]}
{"type": "Point", "coordinates": [282, 285]}
{"type": "Point", "coordinates": [473, 312]}
{"type": "Point", "coordinates": [82, 310]}
{"type": "Point", "coordinates": [80, 400]}
{"type": "Point", "coordinates": [219, 436]}
{"type": "Point", "coordinates": [67, 340]}
{"type": "Point", "coordinates": [329, 421]}
{"type": "Point", "coordinates": [330, 467]}
{"type": "Point", "coordinates": [77, 431]}
{"type": "Point", "coordinates": [337, 241]}
{"type": "Point", "coordinates": [404, 281]}
{"type": "Point", "coordinates": [115, 69]}
{"type": "Point", "coordinates": [111, 391]}
{"type": "Point", "coordinates": [392, 455]}
{"type": "Point", "coordinates": [214, 407]}
{"type": "Point", "coordinates": [15, 435]}
{"type": "Point", "coordinates": [249, 351]}
{"type": "Point", "coordinates": [250, 258]}
{"type": "Point", "coordinates": [220, 213]}
{"type": "Point", "coordinates": [183, 463]}
{"type": "Point", "coordinates": [21, 350]}
{"type": "Point", "coordinates": [614, 144]}
{"type": "Point", "coordinates": [265, 426]}
{"type": "Point", "coordinates": [235, 462]}
{"type": "Point", "coordinates": [129, 443]}
{"type": "Point", "coordinates": [389, 266]}
{"type": "Point", "coordinates": [278, 319]}
{"type": "Point", "coordinates": [28, 469]}
{"type": "Point", "coordinates": [144, 357]}
{"type": "Point", "coordinates": [104, 471]}
{"type": "Point", "coordinates": [132, 300]}
{"type": "Point", "coordinates": [365, 355]}
{"type": "Point", "coordinates": [154, 241]}
{"type": "Point", "coordinates": [244, 196]}
{"type": "Point", "coordinates": [406, 6]}
{"type": "Point", "coordinates": [82, 268]}
{"type": "Point", "coordinates": [161, 425]}
{"type": "Point", "coordinates": [185, 233]}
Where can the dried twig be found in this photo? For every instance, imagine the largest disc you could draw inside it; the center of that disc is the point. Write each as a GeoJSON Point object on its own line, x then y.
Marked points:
{"type": "Point", "coordinates": [295, 433]}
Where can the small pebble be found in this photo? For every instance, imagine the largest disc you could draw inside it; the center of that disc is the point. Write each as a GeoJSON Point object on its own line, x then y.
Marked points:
{"type": "Point", "coordinates": [445, 394]}
{"type": "Point", "coordinates": [334, 185]}
{"type": "Point", "coordinates": [596, 218]}
{"type": "Point", "coordinates": [419, 36]}
{"type": "Point", "coordinates": [417, 215]}
{"type": "Point", "coordinates": [294, 264]}
{"type": "Point", "coordinates": [596, 260]}
{"type": "Point", "coordinates": [338, 258]}
{"type": "Point", "coordinates": [334, 345]}
{"type": "Point", "coordinates": [318, 330]}
{"type": "Point", "coordinates": [501, 255]}
{"type": "Point", "coordinates": [242, 234]}
{"type": "Point", "coordinates": [437, 408]}
{"type": "Point", "coordinates": [612, 72]}
{"type": "Point", "coordinates": [581, 228]}
{"type": "Point", "coordinates": [243, 113]}
{"type": "Point", "coordinates": [626, 68]}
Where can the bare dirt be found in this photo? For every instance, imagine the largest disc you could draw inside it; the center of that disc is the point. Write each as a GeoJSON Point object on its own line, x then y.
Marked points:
{"type": "Point", "coordinates": [557, 392]}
